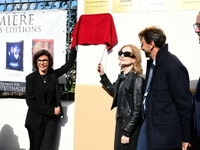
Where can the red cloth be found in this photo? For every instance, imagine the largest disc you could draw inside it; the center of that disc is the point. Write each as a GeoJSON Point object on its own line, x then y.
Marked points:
{"type": "Point", "coordinates": [94, 29]}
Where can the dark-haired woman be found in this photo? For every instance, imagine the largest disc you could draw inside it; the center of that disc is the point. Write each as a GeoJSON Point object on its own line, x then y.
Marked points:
{"type": "Point", "coordinates": [127, 94]}
{"type": "Point", "coordinates": [43, 100]}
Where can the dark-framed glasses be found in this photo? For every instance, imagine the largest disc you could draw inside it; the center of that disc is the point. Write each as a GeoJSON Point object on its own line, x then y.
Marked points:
{"type": "Point", "coordinates": [126, 54]}
{"type": "Point", "coordinates": [196, 25]}
{"type": "Point", "coordinates": [39, 61]}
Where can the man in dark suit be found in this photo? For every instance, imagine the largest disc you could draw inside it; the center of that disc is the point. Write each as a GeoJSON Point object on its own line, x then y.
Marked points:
{"type": "Point", "coordinates": [196, 98]}
{"type": "Point", "coordinates": [167, 101]}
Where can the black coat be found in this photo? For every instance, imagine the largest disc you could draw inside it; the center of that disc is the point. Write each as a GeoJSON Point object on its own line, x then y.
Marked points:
{"type": "Point", "coordinates": [35, 97]}
{"type": "Point", "coordinates": [131, 103]}
{"type": "Point", "coordinates": [196, 103]}
{"type": "Point", "coordinates": [169, 103]}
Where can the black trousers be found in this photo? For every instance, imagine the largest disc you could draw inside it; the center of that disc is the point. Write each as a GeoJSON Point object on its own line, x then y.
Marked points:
{"type": "Point", "coordinates": [45, 136]}
{"type": "Point", "coordinates": [118, 134]}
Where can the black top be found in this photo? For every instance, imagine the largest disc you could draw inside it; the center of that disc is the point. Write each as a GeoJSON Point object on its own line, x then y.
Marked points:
{"type": "Point", "coordinates": [49, 91]}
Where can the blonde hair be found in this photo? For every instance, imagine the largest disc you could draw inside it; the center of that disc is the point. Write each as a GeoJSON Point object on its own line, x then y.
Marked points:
{"type": "Point", "coordinates": [137, 66]}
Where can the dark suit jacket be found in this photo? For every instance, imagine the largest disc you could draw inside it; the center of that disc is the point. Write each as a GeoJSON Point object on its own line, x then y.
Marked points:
{"type": "Point", "coordinates": [35, 94]}
{"type": "Point", "coordinates": [196, 101]}
{"type": "Point", "coordinates": [169, 103]}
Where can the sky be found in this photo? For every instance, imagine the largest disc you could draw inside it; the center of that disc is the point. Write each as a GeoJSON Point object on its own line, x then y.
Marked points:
{"type": "Point", "coordinates": [74, 3]}
{"type": "Point", "coordinates": [11, 1]}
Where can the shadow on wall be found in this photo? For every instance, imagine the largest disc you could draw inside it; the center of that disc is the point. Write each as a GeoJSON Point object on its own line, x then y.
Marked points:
{"type": "Point", "coordinates": [61, 123]}
{"type": "Point", "coordinates": [8, 140]}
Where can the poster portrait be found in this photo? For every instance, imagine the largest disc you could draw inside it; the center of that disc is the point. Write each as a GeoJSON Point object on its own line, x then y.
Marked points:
{"type": "Point", "coordinates": [14, 55]}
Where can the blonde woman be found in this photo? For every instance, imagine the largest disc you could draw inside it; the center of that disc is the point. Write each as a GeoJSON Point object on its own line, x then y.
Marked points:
{"type": "Point", "coordinates": [127, 94]}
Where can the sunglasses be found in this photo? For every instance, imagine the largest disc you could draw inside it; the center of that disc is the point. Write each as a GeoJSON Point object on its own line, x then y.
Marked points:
{"type": "Point", "coordinates": [126, 54]}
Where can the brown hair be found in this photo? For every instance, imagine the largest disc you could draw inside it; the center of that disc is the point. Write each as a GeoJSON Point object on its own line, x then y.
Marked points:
{"type": "Point", "coordinates": [41, 53]}
{"type": "Point", "coordinates": [137, 66]}
{"type": "Point", "coordinates": [155, 34]}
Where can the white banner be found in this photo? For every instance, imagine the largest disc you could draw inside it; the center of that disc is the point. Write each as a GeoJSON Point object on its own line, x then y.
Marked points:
{"type": "Point", "coordinates": [22, 35]}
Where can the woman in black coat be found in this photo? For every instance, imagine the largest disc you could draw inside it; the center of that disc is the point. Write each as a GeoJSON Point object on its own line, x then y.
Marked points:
{"type": "Point", "coordinates": [43, 99]}
{"type": "Point", "coordinates": [127, 94]}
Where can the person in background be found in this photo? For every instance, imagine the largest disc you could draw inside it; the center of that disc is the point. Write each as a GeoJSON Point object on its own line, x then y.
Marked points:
{"type": "Point", "coordinates": [43, 100]}
{"type": "Point", "coordinates": [196, 99]}
{"type": "Point", "coordinates": [167, 100]}
{"type": "Point", "coordinates": [197, 26]}
{"type": "Point", "coordinates": [127, 94]}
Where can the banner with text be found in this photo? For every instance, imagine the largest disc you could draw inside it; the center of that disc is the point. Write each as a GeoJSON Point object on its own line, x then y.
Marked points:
{"type": "Point", "coordinates": [22, 35]}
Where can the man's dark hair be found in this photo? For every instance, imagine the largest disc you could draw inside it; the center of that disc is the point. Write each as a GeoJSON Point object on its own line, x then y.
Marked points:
{"type": "Point", "coordinates": [153, 34]}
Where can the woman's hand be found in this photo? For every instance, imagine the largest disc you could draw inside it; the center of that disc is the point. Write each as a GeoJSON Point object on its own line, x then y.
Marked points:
{"type": "Point", "coordinates": [185, 145]}
{"type": "Point", "coordinates": [57, 110]}
{"type": "Point", "coordinates": [125, 139]}
{"type": "Point", "coordinates": [100, 69]}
